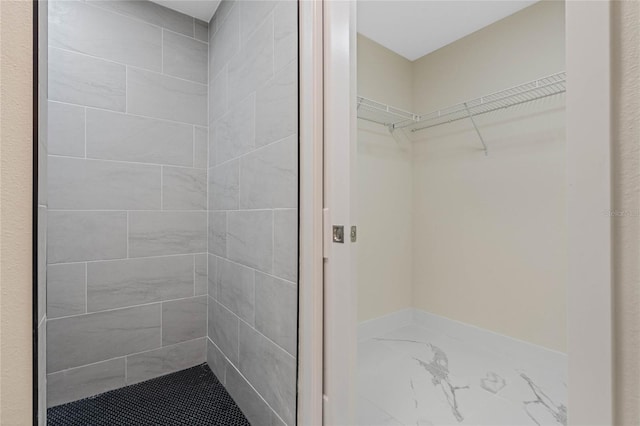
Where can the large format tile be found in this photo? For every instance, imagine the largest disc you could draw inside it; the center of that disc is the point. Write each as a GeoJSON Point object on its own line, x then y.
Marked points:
{"type": "Point", "coordinates": [252, 14]}
{"type": "Point", "coordinates": [233, 134]}
{"type": "Point", "coordinates": [65, 129]}
{"type": "Point", "coordinates": [277, 107]}
{"type": "Point", "coordinates": [285, 244]}
{"type": "Point", "coordinates": [115, 136]}
{"type": "Point", "coordinates": [184, 57]}
{"type": "Point", "coordinates": [212, 276]}
{"type": "Point", "coordinates": [223, 330]}
{"type": "Point", "coordinates": [218, 233]}
{"type": "Point", "coordinates": [163, 233]}
{"type": "Point", "coordinates": [224, 186]}
{"type": "Point", "coordinates": [217, 361]}
{"type": "Point", "coordinates": [82, 382]}
{"type": "Point", "coordinates": [201, 147]}
{"type": "Point", "coordinates": [169, 359]}
{"type": "Point", "coordinates": [255, 409]}
{"type": "Point", "coordinates": [79, 236]}
{"type": "Point", "coordinates": [218, 95]}
{"type": "Point", "coordinates": [184, 319]}
{"type": "Point", "coordinates": [79, 184]}
{"type": "Point", "coordinates": [184, 188]}
{"type": "Point", "coordinates": [161, 96]}
{"type": "Point", "coordinates": [269, 176]}
{"type": "Point", "coordinates": [226, 41]}
{"type": "Point", "coordinates": [252, 66]}
{"type": "Point", "coordinates": [236, 289]}
{"type": "Point", "coordinates": [66, 290]}
{"type": "Point", "coordinates": [85, 339]}
{"type": "Point", "coordinates": [120, 283]}
{"type": "Point", "coordinates": [285, 33]}
{"type": "Point", "coordinates": [84, 80]}
{"type": "Point", "coordinates": [276, 311]}
{"type": "Point", "coordinates": [369, 414]}
{"type": "Point", "coordinates": [270, 370]}
{"type": "Point", "coordinates": [78, 27]}
{"type": "Point", "coordinates": [201, 30]}
{"type": "Point", "coordinates": [150, 12]}
{"type": "Point", "coordinates": [201, 274]}
{"type": "Point", "coordinates": [250, 238]}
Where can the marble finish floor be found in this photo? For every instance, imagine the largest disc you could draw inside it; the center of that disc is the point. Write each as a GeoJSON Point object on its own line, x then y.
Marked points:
{"type": "Point", "coordinates": [420, 376]}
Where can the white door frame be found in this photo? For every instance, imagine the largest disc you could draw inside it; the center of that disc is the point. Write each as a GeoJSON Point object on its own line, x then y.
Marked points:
{"type": "Point", "coordinates": [589, 322]}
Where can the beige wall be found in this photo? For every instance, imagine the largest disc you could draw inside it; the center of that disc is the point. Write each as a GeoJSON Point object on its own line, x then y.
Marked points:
{"type": "Point", "coordinates": [384, 188]}
{"type": "Point", "coordinates": [490, 245]}
{"type": "Point", "coordinates": [15, 212]}
{"type": "Point", "coordinates": [626, 198]}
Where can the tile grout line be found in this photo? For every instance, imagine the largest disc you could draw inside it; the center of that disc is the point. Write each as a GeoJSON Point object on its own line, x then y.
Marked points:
{"type": "Point", "coordinates": [130, 114]}
{"type": "Point", "coordinates": [135, 67]}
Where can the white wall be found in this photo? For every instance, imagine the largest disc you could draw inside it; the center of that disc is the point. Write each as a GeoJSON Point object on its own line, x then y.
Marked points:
{"type": "Point", "coordinates": [490, 233]}
{"type": "Point", "coordinates": [384, 191]}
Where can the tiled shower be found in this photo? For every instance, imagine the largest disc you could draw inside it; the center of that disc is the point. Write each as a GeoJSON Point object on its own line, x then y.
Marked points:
{"type": "Point", "coordinates": [172, 194]}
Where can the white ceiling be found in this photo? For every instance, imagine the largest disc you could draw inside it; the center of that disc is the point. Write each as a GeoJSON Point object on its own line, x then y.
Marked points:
{"type": "Point", "coordinates": [414, 28]}
{"type": "Point", "coordinates": [201, 9]}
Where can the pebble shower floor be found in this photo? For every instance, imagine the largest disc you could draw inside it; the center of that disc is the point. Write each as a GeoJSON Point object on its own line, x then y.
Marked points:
{"type": "Point", "coordinates": [189, 397]}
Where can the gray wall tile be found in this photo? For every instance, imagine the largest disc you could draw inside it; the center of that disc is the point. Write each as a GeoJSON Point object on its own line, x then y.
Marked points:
{"type": "Point", "coordinates": [200, 266]}
{"type": "Point", "coordinates": [201, 30]}
{"type": "Point", "coordinates": [252, 14]}
{"type": "Point", "coordinates": [66, 290]}
{"type": "Point", "coordinates": [270, 370]}
{"type": "Point", "coordinates": [270, 176]}
{"type": "Point", "coordinates": [82, 382]}
{"type": "Point", "coordinates": [65, 130]}
{"type": "Point", "coordinates": [254, 408]}
{"type": "Point", "coordinates": [277, 311]}
{"type": "Point", "coordinates": [184, 319]}
{"type": "Point", "coordinates": [250, 238]}
{"type": "Point", "coordinates": [253, 65]}
{"type": "Point", "coordinates": [218, 95]}
{"type": "Point", "coordinates": [217, 361]}
{"type": "Point", "coordinates": [102, 185]}
{"type": "Point", "coordinates": [201, 147]}
{"type": "Point", "coordinates": [150, 12]}
{"type": "Point", "coordinates": [184, 188]}
{"type": "Point", "coordinates": [234, 134]}
{"type": "Point", "coordinates": [224, 186]}
{"type": "Point", "coordinates": [236, 289]}
{"type": "Point", "coordinates": [78, 236]}
{"type": "Point", "coordinates": [115, 136]}
{"type": "Point", "coordinates": [285, 244]}
{"type": "Point", "coordinates": [85, 339]}
{"type": "Point", "coordinates": [223, 329]}
{"type": "Point", "coordinates": [79, 27]}
{"type": "Point", "coordinates": [274, 104]}
{"type": "Point", "coordinates": [226, 42]}
{"type": "Point", "coordinates": [162, 233]}
{"type": "Point", "coordinates": [161, 96]}
{"type": "Point", "coordinates": [218, 233]}
{"type": "Point", "coordinates": [83, 80]}
{"type": "Point", "coordinates": [212, 276]}
{"type": "Point", "coordinates": [147, 365]}
{"type": "Point", "coordinates": [285, 33]}
{"type": "Point", "coordinates": [129, 282]}
{"type": "Point", "coordinates": [184, 57]}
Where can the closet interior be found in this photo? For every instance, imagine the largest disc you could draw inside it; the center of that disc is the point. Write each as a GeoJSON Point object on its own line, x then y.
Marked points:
{"type": "Point", "coordinates": [462, 247]}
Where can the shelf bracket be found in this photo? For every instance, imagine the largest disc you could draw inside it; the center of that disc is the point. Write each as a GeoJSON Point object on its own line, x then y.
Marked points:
{"type": "Point", "coordinates": [475, 126]}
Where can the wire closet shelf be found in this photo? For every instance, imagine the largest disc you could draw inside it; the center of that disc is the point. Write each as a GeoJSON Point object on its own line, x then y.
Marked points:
{"type": "Point", "coordinates": [395, 118]}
